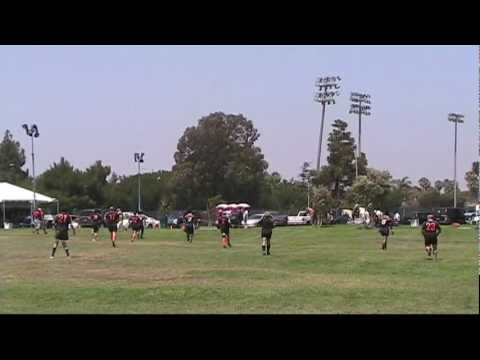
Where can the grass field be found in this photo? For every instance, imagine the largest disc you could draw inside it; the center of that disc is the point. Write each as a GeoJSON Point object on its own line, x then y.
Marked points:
{"type": "Point", "coordinates": [336, 270]}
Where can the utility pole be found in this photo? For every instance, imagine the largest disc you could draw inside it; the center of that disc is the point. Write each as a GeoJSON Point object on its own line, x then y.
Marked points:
{"type": "Point", "coordinates": [456, 118]}
{"type": "Point", "coordinates": [33, 132]}
{"type": "Point", "coordinates": [357, 107]}
{"type": "Point", "coordinates": [326, 95]}
{"type": "Point", "coordinates": [138, 158]}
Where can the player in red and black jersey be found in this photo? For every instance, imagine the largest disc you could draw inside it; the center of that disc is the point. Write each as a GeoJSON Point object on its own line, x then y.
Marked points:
{"type": "Point", "coordinates": [62, 222]}
{"type": "Point", "coordinates": [96, 219]}
{"type": "Point", "coordinates": [39, 221]}
{"type": "Point", "coordinates": [136, 223]}
{"type": "Point", "coordinates": [224, 226]}
{"type": "Point", "coordinates": [431, 230]}
{"type": "Point", "coordinates": [111, 220]}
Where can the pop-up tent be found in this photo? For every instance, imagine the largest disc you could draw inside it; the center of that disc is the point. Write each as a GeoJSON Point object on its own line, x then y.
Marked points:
{"type": "Point", "coordinates": [12, 193]}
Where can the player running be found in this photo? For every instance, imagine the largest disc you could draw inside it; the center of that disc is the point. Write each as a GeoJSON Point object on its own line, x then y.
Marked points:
{"type": "Point", "coordinates": [142, 225]}
{"type": "Point", "coordinates": [111, 220]}
{"type": "Point", "coordinates": [431, 230]}
{"type": "Point", "coordinates": [136, 224]}
{"type": "Point", "coordinates": [96, 219]}
{"type": "Point", "coordinates": [224, 226]}
{"type": "Point", "coordinates": [189, 226]}
{"type": "Point", "coordinates": [267, 228]}
{"type": "Point", "coordinates": [385, 226]}
{"type": "Point", "coordinates": [62, 221]}
{"type": "Point", "coordinates": [39, 221]}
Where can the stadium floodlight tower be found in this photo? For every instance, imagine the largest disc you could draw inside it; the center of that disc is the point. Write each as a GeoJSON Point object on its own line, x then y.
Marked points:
{"type": "Point", "coordinates": [456, 118]}
{"type": "Point", "coordinates": [327, 91]}
{"type": "Point", "coordinates": [33, 132]}
{"type": "Point", "coordinates": [138, 158]}
{"type": "Point", "coordinates": [361, 106]}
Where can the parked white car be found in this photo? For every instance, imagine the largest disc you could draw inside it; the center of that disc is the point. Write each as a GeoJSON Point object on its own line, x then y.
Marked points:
{"type": "Point", "coordinates": [301, 219]}
{"type": "Point", "coordinates": [151, 222]}
{"type": "Point", "coordinates": [254, 220]}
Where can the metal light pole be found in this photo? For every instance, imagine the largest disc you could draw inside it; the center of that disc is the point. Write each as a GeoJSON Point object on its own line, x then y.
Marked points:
{"type": "Point", "coordinates": [357, 107]}
{"type": "Point", "coordinates": [456, 118]}
{"type": "Point", "coordinates": [33, 133]}
{"type": "Point", "coordinates": [326, 93]}
{"type": "Point", "coordinates": [138, 157]}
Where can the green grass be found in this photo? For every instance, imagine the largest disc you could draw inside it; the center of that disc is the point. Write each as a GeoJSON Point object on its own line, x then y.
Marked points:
{"type": "Point", "coordinates": [337, 270]}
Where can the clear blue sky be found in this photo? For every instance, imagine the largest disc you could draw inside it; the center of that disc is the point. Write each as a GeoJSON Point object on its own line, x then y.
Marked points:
{"type": "Point", "coordinates": [107, 102]}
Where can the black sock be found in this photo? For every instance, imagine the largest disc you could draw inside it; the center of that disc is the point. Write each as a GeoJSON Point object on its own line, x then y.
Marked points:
{"type": "Point", "coordinates": [113, 244]}
{"type": "Point", "coordinates": [268, 249]}
{"type": "Point", "coordinates": [68, 252]}
{"type": "Point", "coordinates": [53, 251]}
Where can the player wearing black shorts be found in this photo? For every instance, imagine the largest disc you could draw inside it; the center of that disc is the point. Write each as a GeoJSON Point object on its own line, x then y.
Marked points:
{"type": "Point", "coordinates": [189, 226]}
{"type": "Point", "coordinates": [142, 225]}
{"type": "Point", "coordinates": [224, 226]}
{"type": "Point", "coordinates": [96, 219]}
{"type": "Point", "coordinates": [136, 225]}
{"type": "Point", "coordinates": [267, 228]}
{"type": "Point", "coordinates": [431, 230]}
{"type": "Point", "coordinates": [62, 221]}
{"type": "Point", "coordinates": [111, 220]}
{"type": "Point", "coordinates": [385, 225]}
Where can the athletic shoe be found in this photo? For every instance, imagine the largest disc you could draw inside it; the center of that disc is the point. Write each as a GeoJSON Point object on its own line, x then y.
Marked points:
{"type": "Point", "coordinates": [264, 253]}
{"type": "Point", "coordinates": [51, 257]}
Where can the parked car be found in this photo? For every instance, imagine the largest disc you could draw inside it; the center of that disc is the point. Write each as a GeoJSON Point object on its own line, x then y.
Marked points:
{"type": "Point", "coordinates": [254, 220]}
{"type": "Point", "coordinates": [279, 219]}
{"type": "Point", "coordinates": [152, 223]}
{"type": "Point", "coordinates": [302, 218]}
{"type": "Point", "coordinates": [472, 216]}
{"type": "Point", "coordinates": [447, 216]}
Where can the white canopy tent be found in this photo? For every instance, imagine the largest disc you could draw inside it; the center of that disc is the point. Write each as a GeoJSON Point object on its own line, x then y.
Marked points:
{"type": "Point", "coordinates": [12, 193]}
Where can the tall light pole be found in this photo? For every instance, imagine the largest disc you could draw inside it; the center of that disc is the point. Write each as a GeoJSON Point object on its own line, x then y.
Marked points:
{"type": "Point", "coordinates": [326, 95]}
{"type": "Point", "coordinates": [138, 157]}
{"type": "Point", "coordinates": [33, 132]}
{"type": "Point", "coordinates": [456, 118]}
{"type": "Point", "coordinates": [361, 106]}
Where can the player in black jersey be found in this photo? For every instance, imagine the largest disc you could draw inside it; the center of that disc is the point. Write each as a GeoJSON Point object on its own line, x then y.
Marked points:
{"type": "Point", "coordinates": [62, 222]}
{"type": "Point", "coordinates": [385, 225]}
{"type": "Point", "coordinates": [267, 228]}
{"type": "Point", "coordinates": [96, 219]}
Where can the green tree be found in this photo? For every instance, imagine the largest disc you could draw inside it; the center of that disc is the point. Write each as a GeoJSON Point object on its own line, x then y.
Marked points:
{"type": "Point", "coordinates": [12, 159]}
{"type": "Point", "coordinates": [322, 202]}
{"type": "Point", "coordinates": [424, 184]}
{"type": "Point", "coordinates": [339, 174]}
{"type": "Point", "coordinates": [94, 182]}
{"type": "Point", "coordinates": [219, 157]}
{"type": "Point", "coordinates": [471, 177]}
{"type": "Point", "coordinates": [372, 188]}
{"type": "Point", "coordinates": [63, 182]}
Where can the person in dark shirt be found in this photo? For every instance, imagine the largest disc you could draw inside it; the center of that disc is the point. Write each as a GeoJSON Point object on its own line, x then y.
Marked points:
{"type": "Point", "coordinates": [189, 226]}
{"type": "Point", "coordinates": [112, 218]}
{"type": "Point", "coordinates": [224, 226]}
{"type": "Point", "coordinates": [431, 230]}
{"type": "Point", "coordinates": [136, 224]}
{"type": "Point", "coordinates": [267, 228]}
{"type": "Point", "coordinates": [384, 228]}
{"type": "Point", "coordinates": [62, 222]}
{"type": "Point", "coordinates": [96, 219]}
{"type": "Point", "coordinates": [142, 224]}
